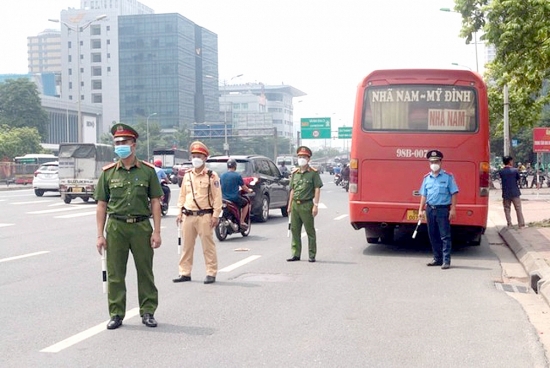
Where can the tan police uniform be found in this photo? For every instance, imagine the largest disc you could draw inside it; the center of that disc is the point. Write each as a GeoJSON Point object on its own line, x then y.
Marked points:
{"type": "Point", "coordinates": [200, 199]}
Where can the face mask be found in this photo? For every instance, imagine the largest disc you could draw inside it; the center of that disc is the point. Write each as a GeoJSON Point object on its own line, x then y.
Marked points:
{"type": "Point", "coordinates": [123, 151]}
{"type": "Point", "coordinates": [302, 162]}
{"type": "Point", "coordinates": [197, 162]}
{"type": "Point", "coordinates": [434, 167]}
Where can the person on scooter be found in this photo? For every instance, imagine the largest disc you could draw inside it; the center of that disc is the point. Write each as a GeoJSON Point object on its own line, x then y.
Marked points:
{"type": "Point", "coordinates": [231, 182]}
{"type": "Point", "coordinates": [163, 178]}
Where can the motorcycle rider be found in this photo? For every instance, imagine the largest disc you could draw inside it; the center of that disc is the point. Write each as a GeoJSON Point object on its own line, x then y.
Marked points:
{"type": "Point", "coordinates": [231, 181]}
{"type": "Point", "coordinates": [163, 178]}
{"type": "Point", "coordinates": [345, 172]}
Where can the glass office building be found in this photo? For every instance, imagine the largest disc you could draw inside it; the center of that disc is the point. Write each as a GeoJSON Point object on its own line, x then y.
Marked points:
{"type": "Point", "coordinates": [169, 67]}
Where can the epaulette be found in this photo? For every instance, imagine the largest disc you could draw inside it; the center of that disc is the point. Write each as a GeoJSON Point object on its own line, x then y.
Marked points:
{"type": "Point", "coordinates": [450, 173]}
{"type": "Point", "coordinates": [148, 164]}
{"type": "Point", "coordinates": [294, 170]}
{"type": "Point", "coordinates": [428, 174]}
{"type": "Point", "coordinates": [109, 166]}
{"type": "Point", "coordinates": [312, 168]}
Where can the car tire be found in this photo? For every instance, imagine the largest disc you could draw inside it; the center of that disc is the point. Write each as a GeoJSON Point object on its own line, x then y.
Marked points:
{"type": "Point", "coordinates": [67, 199]}
{"type": "Point", "coordinates": [264, 214]}
{"type": "Point", "coordinates": [86, 199]}
{"type": "Point", "coordinates": [39, 192]}
{"type": "Point", "coordinates": [372, 240]}
{"type": "Point", "coordinates": [284, 211]}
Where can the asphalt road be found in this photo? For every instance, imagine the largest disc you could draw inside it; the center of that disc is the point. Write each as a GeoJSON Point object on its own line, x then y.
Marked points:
{"type": "Point", "coordinates": [359, 306]}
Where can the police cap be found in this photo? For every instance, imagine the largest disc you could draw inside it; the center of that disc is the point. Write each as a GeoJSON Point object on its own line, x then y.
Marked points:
{"type": "Point", "coordinates": [122, 132]}
{"type": "Point", "coordinates": [434, 155]}
{"type": "Point", "coordinates": [303, 151]}
{"type": "Point", "coordinates": [199, 147]}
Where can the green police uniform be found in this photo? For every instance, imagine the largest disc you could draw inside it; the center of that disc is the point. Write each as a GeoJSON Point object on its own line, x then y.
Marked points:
{"type": "Point", "coordinates": [127, 193]}
{"type": "Point", "coordinates": [303, 185]}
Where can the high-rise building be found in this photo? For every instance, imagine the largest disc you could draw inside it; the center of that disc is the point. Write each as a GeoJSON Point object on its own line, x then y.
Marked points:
{"type": "Point", "coordinates": [168, 67]}
{"type": "Point", "coordinates": [44, 52]}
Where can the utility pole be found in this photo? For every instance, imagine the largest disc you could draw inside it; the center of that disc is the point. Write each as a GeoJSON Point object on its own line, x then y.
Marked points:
{"type": "Point", "coordinates": [274, 143]}
{"type": "Point", "coordinates": [506, 122]}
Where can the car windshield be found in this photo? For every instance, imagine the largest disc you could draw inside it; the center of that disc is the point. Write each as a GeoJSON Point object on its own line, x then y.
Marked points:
{"type": "Point", "coordinates": [221, 166]}
{"type": "Point", "coordinates": [52, 168]}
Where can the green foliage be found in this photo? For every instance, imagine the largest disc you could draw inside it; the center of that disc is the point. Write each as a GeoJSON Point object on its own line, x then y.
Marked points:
{"type": "Point", "coordinates": [20, 106]}
{"type": "Point", "coordinates": [18, 142]}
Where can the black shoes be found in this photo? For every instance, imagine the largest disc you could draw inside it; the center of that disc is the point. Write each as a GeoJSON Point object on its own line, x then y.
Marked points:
{"type": "Point", "coordinates": [446, 266]}
{"type": "Point", "coordinates": [434, 263]}
{"type": "Point", "coordinates": [210, 279]}
{"type": "Point", "coordinates": [293, 259]}
{"type": "Point", "coordinates": [148, 320]}
{"type": "Point", "coordinates": [114, 323]}
{"type": "Point", "coordinates": [312, 260]}
{"type": "Point", "coordinates": [182, 278]}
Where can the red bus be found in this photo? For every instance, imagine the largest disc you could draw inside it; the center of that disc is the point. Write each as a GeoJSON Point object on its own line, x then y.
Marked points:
{"type": "Point", "coordinates": [399, 116]}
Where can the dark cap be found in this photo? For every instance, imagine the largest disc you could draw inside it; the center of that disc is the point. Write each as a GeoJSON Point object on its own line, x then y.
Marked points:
{"type": "Point", "coordinates": [303, 151]}
{"type": "Point", "coordinates": [121, 132]}
{"type": "Point", "coordinates": [434, 155]}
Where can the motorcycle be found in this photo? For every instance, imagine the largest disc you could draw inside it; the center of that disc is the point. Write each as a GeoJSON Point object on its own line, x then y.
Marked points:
{"type": "Point", "coordinates": [523, 179]}
{"type": "Point", "coordinates": [345, 184]}
{"type": "Point", "coordinates": [230, 220]}
{"type": "Point", "coordinates": [165, 200]}
{"type": "Point", "coordinates": [337, 179]}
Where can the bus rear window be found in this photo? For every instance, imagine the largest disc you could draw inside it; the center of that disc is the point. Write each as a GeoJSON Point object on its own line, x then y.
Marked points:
{"type": "Point", "coordinates": [418, 108]}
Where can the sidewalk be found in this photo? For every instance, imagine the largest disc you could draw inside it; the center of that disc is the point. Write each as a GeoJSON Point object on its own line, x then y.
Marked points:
{"type": "Point", "coordinates": [4, 186]}
{"type": "Point", "coordinates": [531, 245]}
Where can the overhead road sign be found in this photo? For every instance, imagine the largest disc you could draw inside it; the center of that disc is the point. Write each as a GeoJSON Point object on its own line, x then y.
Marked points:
{"type": "Point", "coordinates": [315, 128]}
{"type": "Point", "coordinates": [344, 133]}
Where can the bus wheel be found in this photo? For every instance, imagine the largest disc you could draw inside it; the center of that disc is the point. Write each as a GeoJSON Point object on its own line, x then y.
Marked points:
{"type": "Point", "coordinates": [67, 199]}
{"type": "Point", "coordinates": [387, 236]}
{"type": "Point", "coordinates": [372, 240]}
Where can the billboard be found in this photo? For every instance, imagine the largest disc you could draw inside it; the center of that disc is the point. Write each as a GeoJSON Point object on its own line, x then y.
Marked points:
{"type": "Point", "coordinates": [541, 139]}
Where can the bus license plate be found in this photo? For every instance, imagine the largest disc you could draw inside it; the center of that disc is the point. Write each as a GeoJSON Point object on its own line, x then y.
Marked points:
{"type": "Point", "coordinates": [79, 190]}
{"type": "Point", "coordinates": [412, 215]}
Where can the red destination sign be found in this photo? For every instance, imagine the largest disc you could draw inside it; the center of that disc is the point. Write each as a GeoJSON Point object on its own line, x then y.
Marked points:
{"type": "Point", "coordinates": [541, 139]}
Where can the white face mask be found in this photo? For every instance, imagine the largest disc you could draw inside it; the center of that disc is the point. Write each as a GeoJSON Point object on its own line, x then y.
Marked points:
{"type": "Point", "coordinates": [435, 167]}
{"type": "Point", "coordinates": [302, 162]}
{"type": "Point", "coordinates": [197, 162]}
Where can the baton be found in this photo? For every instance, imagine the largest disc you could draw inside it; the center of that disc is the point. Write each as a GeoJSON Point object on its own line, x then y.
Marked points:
{"type": "Point", "coordinates": [104, 270]}
{"type": "Point", "coordinates": [288, 231]}
{"type": "Point", "coordinates": [416, 229]}
{"type": "Point", "coordinates": [179, 240]}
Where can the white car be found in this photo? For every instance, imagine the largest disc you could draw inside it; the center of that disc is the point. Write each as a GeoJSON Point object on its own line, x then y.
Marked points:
{"type": "Point", "coordinates": [46, 178]}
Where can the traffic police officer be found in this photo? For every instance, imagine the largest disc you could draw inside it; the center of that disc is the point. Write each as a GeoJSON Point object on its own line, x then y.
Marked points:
{"type": "Point", "coordinates": [305, 190]}
{"type": "Point", "coordinates": [124, 191]}
{"type": "Point", "coordinates": [199, 204]}
{"type": "Point", "coordinates": [439, 193]}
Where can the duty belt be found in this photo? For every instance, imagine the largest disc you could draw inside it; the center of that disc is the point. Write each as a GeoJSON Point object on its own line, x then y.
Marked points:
{"type": "Point", "coordinates": [300, 201]}
{"type": "Point", "coordinates": [187, 212]}
{"type": "Point", "coordinates": [438, 206]}
{"type": "Point", "coordinates": [129, 219]}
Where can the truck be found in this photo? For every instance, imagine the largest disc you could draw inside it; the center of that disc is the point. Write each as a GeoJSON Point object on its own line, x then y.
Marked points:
{"type": "Point", "coordinates": [170, 158]}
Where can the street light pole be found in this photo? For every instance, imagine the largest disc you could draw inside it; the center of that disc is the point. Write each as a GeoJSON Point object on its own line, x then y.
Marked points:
{"type": "Point", "coordinates": [148, 155]}
{"type": "Point", "coordinates": [226, 144]}
{"type": "Point", "coordinates": [78, 28]}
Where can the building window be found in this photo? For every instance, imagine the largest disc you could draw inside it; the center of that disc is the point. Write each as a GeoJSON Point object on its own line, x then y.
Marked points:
{"type": "Point", "coordinates": [95, 30]}
{"type": "Point", "coordinates": [70, 71]}
{"type": "Point", "coordinates": [96, 98]}
{"type": "Point", "coordinates": [108, 42]}
{"type": "Point", "coordinates": [70, 97]}
{"type": "Point", "coordinates": [108, 28]}
{"type": "Point", "coordinates": [96, 71]}
{"type": "Point", "coordinates": [69, 44]}
{"type": "Point", "coordinates": [70, 58]}
{"type": "Point", "coordinates": [70, 85]}
{"type": "Point", "coordinates": [96, 44]}
{"type": "Point", "coordinates": [96, 84]}
{"type": "Point", "coordinates": [96, 58]}
{"type": "Point", "coordinates": [81, 97]}
{"type": "Point", "coordinates": [81, 70]}
{"type": "Point", "coordinates": [108, 68]}
{"type": "Point", "coordinates": [108, 55]}
{"type": "Point", "coordinates": [81, 57]}
{"type": "Point", "coordinates": [82, 84]}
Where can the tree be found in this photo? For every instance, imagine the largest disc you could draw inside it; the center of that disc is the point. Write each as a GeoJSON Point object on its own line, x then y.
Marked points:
{"type": "Point", "coordinates": [18, 141]}
{"type": "Point", "coordinates": [20, 106]}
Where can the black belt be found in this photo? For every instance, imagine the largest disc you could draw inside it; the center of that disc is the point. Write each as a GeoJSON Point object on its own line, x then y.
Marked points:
{"type": "Point", "coordinates": [439, 206]}
{"type": "Point", "coordinates": [300, 201]}
{"type": "Point", "coordinates": [187, 212]}
{"type": "Point", "coordinates": [129, 219]}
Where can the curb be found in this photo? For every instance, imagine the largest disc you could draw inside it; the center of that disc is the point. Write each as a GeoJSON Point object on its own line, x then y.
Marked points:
{"type": "Point", "coordinates": [536, 266]}
{"type": "Point", "coordinates": [15, 187]}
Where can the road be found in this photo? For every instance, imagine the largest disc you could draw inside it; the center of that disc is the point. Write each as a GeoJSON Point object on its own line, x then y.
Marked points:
{"type": "Point", "coordinates": [359, 305]}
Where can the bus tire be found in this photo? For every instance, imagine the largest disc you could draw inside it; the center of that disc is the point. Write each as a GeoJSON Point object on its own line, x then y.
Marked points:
{"type": "Point", "coordinates": [372, 240]}
{"type": "Point", "coordinates": [387, 236]}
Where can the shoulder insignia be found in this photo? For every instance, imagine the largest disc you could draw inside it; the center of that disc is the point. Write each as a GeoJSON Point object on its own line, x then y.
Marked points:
{"type": "Point", "coordinates": [449, 173]}
{"type": "Point", "coordinates": [109, 166]}
{"type": "Point", "coordinates": [428, 174]}
{"type": "Point", "coordinates": [295, 169]}
{"type": "Point", "coordinates": [148, 164]}
{"type": "Point", "coordinates": [312, 168]}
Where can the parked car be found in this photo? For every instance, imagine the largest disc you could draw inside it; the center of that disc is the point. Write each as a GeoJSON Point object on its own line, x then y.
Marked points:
{"type": "Point", "coordinates": [271, 188]}
{"type": "Point", "coordinates": [182, 169]}
{"type": "Point", "coordinates": [46, 178]}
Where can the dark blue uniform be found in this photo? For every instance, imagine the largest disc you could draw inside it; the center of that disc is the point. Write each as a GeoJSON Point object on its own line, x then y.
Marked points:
{"type": "Point", "coordinates": [438, 191]}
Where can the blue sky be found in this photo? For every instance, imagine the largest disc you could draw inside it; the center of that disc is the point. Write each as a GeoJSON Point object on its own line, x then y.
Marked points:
{"type": "Point", "coordinates": [322, 47]}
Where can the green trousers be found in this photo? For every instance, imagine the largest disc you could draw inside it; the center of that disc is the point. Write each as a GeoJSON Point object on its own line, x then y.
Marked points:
{"type": "Point", "coordinates": [301, 214]}
{"type": "Point", "coordinates": [121, 239]}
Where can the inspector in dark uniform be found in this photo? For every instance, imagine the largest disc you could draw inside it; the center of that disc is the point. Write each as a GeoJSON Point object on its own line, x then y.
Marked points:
{"type": "Point", "coordinates": [438, 206]}
{"type": "Point", "coordinates": [124, 191]}
{"type": "Point", "coordinates": [305, 190]}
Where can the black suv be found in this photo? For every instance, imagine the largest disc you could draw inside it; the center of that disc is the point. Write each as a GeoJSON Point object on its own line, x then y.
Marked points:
{"type": "Point", "coordinates": [271, 188]}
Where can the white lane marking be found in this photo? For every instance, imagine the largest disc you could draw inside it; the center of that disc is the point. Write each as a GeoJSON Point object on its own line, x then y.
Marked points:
{"type": "Point", "coordinates": [56, 210]}
{"type": "Point", "coordinates": [341, 217]}
{"type": "Point", "coordinates": [4, 225]}
{"type": "Point", "coordinates": [23, 256]}
{"type": "Point", "coordinates": [239, 264]}
{"type": "Point", "coordinates": [76, 215]}
{"type": "Point", "coordinates": [172, 211]}
{"type": "Point", "coordinates": [2, 200]}
{"type": "Point", "coordinates": [57, 204]}
{"type": "Point", "coordinates": [30, 202]}
{"type": "Point", "coordinates": [75, 339]}
{"type": "Point", "coordinates": [322, 205]}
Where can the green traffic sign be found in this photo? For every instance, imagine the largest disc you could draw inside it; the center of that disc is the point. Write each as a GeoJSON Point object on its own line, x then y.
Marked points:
{"type": "Point", "coordinates": [315, 128]}
{"type": "Point", "coordinates": [344, 133]}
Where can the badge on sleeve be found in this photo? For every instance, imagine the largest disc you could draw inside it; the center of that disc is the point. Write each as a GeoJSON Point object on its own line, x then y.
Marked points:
{"type": "Point", "coordinates": [217, 184]}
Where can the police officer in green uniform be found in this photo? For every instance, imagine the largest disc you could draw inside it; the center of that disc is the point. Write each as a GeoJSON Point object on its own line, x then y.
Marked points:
{"type": "Point", "coordinates": [124, 191]}
{"type": "Point", "coordinates": [305, 190]}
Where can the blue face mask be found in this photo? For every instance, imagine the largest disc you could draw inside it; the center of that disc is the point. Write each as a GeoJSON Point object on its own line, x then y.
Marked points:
{"type": "Point", "coordinates": [123, 151]}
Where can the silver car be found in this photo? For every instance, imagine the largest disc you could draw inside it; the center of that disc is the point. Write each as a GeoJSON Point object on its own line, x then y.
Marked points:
{"type": "Point", "coordinates": [46, 178]}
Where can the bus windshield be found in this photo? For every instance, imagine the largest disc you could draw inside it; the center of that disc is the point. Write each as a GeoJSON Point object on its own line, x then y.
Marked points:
{"type": "Point", "coordinates": [419, 108]}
